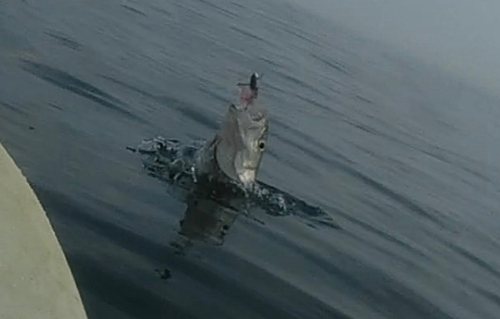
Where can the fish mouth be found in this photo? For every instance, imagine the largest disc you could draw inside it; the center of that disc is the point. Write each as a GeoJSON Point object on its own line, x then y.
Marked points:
{"type": "Point", "coordinates": [247, 176]}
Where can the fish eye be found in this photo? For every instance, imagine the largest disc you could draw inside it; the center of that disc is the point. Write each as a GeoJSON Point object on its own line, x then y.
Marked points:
{"type": "Point", "coordinates": [262, 145]}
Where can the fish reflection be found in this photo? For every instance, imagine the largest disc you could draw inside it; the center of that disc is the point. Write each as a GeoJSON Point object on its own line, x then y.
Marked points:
{"type": "Point", "coordinates": [212, 208]}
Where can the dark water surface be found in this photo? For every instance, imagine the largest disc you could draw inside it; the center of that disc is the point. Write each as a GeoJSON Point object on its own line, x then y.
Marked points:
{"type": "Point", "coordinates": [403, 159]}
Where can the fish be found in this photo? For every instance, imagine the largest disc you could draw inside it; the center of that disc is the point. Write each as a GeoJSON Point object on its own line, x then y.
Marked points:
{"type": "Point", "coordinates": [217, 179]}
{"type": "Point", "coordinates": [238, 147]}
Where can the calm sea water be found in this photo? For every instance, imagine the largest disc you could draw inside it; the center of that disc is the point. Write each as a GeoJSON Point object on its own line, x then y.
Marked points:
{"type": "Point", "coordinates": [403, 158]}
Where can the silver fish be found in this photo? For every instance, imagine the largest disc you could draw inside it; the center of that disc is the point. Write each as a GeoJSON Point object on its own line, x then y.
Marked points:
{"type": "Point", "coordinates": [239, 145]}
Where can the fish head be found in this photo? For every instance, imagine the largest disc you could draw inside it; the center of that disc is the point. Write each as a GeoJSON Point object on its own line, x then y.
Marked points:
{"type": "Point", "coordinates": [242, 138]}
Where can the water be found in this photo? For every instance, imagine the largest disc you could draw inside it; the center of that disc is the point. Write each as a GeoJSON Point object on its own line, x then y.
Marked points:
{"type": "Point", "coordinates": [402, 158]}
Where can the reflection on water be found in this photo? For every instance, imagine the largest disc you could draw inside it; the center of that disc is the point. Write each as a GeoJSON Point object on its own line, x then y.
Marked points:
{"type": "Point", "coordinates": [212, 208]}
